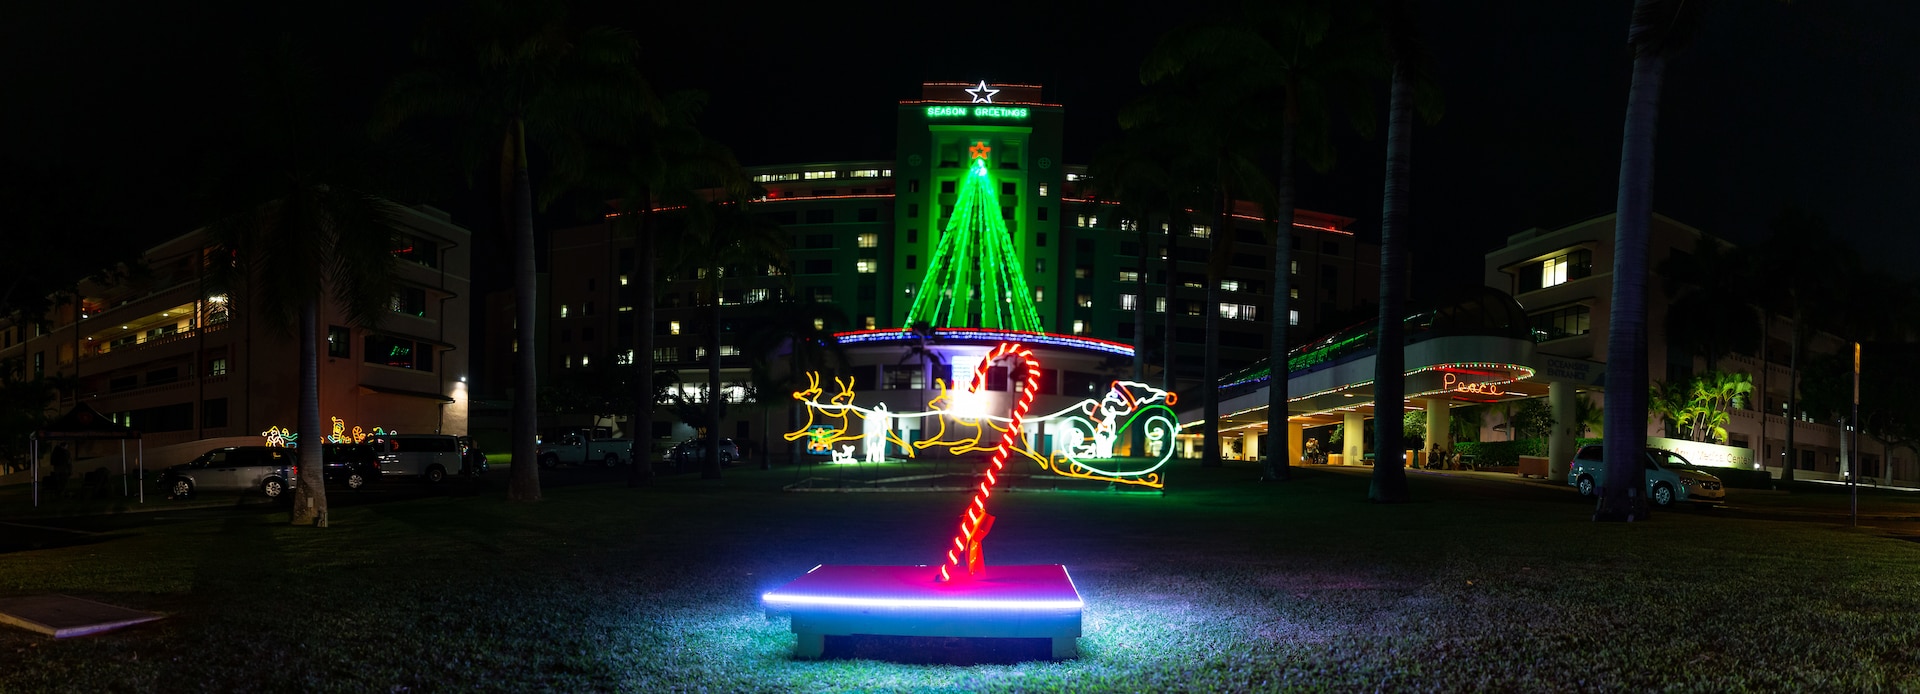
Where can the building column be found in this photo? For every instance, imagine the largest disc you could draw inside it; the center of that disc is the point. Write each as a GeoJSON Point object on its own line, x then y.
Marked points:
{"type": "Point", "coordinates": [1353, 438]}
{"type": "Point", "coordinates": [1249, 444]}
{"type": "Point", "coordinates": [1560, 437]}
{"type": "Point", "coordinates": [1439, 424]}
{"type": "Point", "coordinates": [1296, 441]}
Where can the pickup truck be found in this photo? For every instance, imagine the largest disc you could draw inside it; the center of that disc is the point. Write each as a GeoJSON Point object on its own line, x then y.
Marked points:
{"type": "Point", "coordinates": [582, 446]}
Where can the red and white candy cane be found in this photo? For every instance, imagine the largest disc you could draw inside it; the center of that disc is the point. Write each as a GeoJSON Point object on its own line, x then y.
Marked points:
{"type": "Point", "coordinates": [975, 523]}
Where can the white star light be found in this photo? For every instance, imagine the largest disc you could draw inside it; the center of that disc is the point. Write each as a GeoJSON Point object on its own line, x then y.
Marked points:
{"type": "Point", "coordinates": [981, 94]}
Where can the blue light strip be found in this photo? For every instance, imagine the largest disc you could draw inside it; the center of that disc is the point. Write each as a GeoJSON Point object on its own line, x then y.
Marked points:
{"type": "Point", "coordinates": [987, 335]}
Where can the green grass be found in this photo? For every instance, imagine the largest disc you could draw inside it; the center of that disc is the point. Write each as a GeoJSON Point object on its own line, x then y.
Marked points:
{"type": "Point", "coordinates": [1224, 584]}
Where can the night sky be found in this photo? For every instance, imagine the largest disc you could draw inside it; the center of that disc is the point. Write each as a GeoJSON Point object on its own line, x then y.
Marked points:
{"type": "Point", "coordinates": [1809, 103]}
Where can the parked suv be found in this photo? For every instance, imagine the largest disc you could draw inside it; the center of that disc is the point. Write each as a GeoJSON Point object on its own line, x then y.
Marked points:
{"type": "Point", "coordinates": [351, 464]}
{"type": "Point", "coordinates": [694, 451]}
{"type": "Point", "coordinates": [1670, 477]}
{"type": "Point", "coordinates": [268, 469]}
{"type": "Point", "coordinates": [428, 456]}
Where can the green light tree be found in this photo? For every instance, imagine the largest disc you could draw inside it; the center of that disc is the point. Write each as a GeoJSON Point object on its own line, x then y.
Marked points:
{"type": "Point", "coordinates": [975, 278]}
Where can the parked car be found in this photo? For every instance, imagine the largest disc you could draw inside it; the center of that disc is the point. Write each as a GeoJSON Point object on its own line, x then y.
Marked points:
{"type": "Point", "coordinates": [352, 464]}
{"type": "Point", "coordinates": [473, 462]}
{"type": "Point", "coordinates": [269, 469]}
{"type": "Point", "coordinates": [1670, 477]}
{"type": "Point", "coordinates": [582, 446]}
{"type": "Point", "coordinates": [694, 451]}
{"type": "Point", "coordinates": [428, 456]}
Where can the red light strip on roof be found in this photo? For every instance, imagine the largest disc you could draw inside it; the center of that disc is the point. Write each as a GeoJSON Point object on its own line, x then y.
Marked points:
{"type": "Point", "coordinates": [966, 543]}
{"type": "Point", "coordinates": [1247, 217]}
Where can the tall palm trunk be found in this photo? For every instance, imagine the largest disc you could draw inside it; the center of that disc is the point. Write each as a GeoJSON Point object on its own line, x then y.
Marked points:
{"type": "Point", "coordinates": [1169, 282]}
{"type": "Point", "coordinates": [525, 472]}
{"type": "Point", "coordinates": [1766, 373]}
{"type": "Point", "coordinates": [1279, 448]}
{"type": "Point", "coordinates": [711, 471]}
{"type": "Point", "coordinates": [1389, 483]}
{"type": "Point", "coordinates": [1623, 495]}
{"type": "Point", "coordinates": [1218, 250]}
{"type": "Point", "coordinates": [640, 422]}
{"type": "Point", "coordinates": [1138, 444]}
{"type": "Point", "coordinates": [310, 494]}
{"type": "Point", "coordinates": [1793, 389]}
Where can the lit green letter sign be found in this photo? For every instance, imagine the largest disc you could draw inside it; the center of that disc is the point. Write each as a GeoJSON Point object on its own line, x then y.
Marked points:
{"type": "Point", "coordinates": [1010, 112]}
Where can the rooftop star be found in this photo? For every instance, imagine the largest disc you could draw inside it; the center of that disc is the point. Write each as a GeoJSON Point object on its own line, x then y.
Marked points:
{"type": "Point", "coordinates": [981, 94]}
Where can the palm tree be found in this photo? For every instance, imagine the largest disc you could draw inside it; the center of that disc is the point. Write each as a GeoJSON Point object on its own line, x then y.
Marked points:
{"type": "Point", "coordinates": [308, 233]}
{"type": "Point", "coordinates": [665, 163]}
{"type": "Point", "coordinates": [1798, 260]}
{"type": "Point", "coordinates": [514, 74]}
{"type": "Point", "coordinates": [1224, 128]}
{"type": "Point", "coordinates": [1412, 89]}
{"type": "Point", "coordinates": [722, 238]}
{"type": "Point", "coordinates": [1658, 29]}
{"type": "Point", "coordinates": [803, 332]}
{"type": "Point", "coordinates": [1712, 288]}
{"type": "Point", "coordinates": [1667, 403]}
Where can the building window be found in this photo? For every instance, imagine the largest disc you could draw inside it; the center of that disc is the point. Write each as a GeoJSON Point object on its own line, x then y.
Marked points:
{"type": "Point", "coordinates": [819, 266]}
{"type": "Point", "coordinates": [398, 352]}
{"type": "Point", "coordinates": [623, 358]}
{"type": "Point", "coordinates": [913, 210]}
{"type": "Point", "coordinates": [866, 266]}
{"type": "Point", "coordinates": [864, 173]}
{"type": "Point", "coordinates": [585, 359]}
{"type": "Point", "coordinates": [1128, 301]}
{"type": "Point", "coordinates": [1039, 295]}
{"type": "Point", "coordinates": [1079, 327]}
{"type": "Point", "coordinates": [414, 249]}
{"type": "Point", "coordinates": [1293, 266]}
{"type": "Point", "coordinates": [1083, 300]}
{"type": "Point", "coordinates": [1237, 311]}
{"type": "Point", "coordinates": [1560, 269]}
{"type": "Point", "coordinates": [1159, 304]}
{"type": "Point", "coordinates": [1043, 193]}
{"type": "Point", "coordinates": [820, 295]}
{"type": "Point", "coordinates": [870, 322]}
{"type": "Point", "coordinates": [564, 311]}
{"type": "Point", "coordinates": [1229, 285]}
{"type": "Point", "coordinates": [337, 342]}
{"type": "Point", "coordinates": [946, 186]}
{"type": "Point", "coordinates": [1129, 276]}
{"type": "Point", "coordinates": [1082, 272]}
{"type": "Point", "coordinates": [1293, 316]}
{"type": "Point", "coordinates": [1201, 231]}
{"type": "Point", "coordinates": [1039, 264]}
{"type": "Point", "coordinates": [623, 280]}
{"type": "Point", "coordinates": [673, 327]}
{"type": "Point", "coordinates": [411, 301]}
{"type": "Point", "coordinates": [589, 308]}
{"type": "Point", "coordinates": [868, 240]}
{"type": "Point", "coordinates": [666, 354]}
{"type": "Point", "coordinates": [1293, 293]}
{"type": "Point", "coordinates": [913, 261]}
{"type": "Point", "coordinates": [819, 216]}
{"type": "Point", "coordinates": [1566, 322]}
{"type": "Point", "coordinates": [816, 175]}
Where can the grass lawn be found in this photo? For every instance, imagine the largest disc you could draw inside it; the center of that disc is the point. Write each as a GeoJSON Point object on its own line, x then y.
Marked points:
{"type": "Point", "coordinates": [1223, 584]}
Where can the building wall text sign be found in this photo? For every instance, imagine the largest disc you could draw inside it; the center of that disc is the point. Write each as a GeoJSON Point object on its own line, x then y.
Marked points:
{"type": "Point", "coordinates": [1007, 112]}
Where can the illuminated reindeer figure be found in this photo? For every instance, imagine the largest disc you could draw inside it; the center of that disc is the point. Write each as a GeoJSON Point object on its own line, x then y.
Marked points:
{"type": "Point", "coordinates": [940, 403]}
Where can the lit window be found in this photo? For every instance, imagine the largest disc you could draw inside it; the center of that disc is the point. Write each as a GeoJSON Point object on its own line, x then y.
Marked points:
{"type": "Point", "coordinates": [868, 241]}
{"type": "Point", "coordinates": [623, 357]}
{"type": "Point", "coordinates": [1193, 283]}
{"type": "Point", "coordinates": [775, 271]}
{"type": "Point", "coordinates": [666, 354]}
{"type": "Point", "coordinates": [1202, 231]}
{"type": "Point", "coordinates": [673, 327]}
{"type": "Point", "coordinates": [1043, 190]}
{"type": "Point", "coordinates": [623, 280]}
{"type": "Point", "coordinates": [1129, 225]}
{"type": "Point", "coordinates": [1039, 296]}
{"type": "Point", "coordinates": [1129, 276]}
{"type": "Point", "coordinates": [729, 351]}
{"type": "Point", "coordinates": [1229, 285]}
{"type": "Point", "coordinates": [769, 178]}
{"type": "Point", "coordinates": [864, 173]}
{"type": "Point", "coordinates": [584, 359]}
{"type": "Point", "coordinates": [1237, 311]}
{"type": "Point", "coordinates": [1293, 316]}
{"type": "Point", "coordinates": [866, 265]}
{"type": "Point", "coordinates": [819, 324]}
{"type": "Point", "coordinates": [1093, 221]}
{"type": "Point", "coordinates": [1159, 304]}
{"type": "Point", "coordinates": [1080, 220]}
{"type": "Point", "coordinates": [1079, 327]}
{"type": "Point", "coordinates": [563, 311]}
{"type": "Point", "coordinates": [1039, 264]}
{"type": "Point", "coordinates": [1163, 227]}
{"type": "Point", "coordinates": [756, 295]}
{"type": "Point", "coordinates": [1083, 300]}
{"type": "Point", "coordinates": [569, 361]}
{"type": "Point", "coordinates": [1294, 267]}
{"type": "Point", "coordinates": [624, 309]}
{"type": "Point", "coordinates": [1193, 308]}
{"type": "Point", "coordinates": [1294, 293]}
{"type": "Point", "coordinates": [1127, 302]}
{"type": "Point", "coordinates": [1082, 272]}
{"type": "Point", "coordinates": [871, 323]}
{"type": "Point", "coordinates": [1073, 176]}
{"type": "Point", "coordinates": [814, 175]}
{"type": "Point", "coordinates": [886, 173]}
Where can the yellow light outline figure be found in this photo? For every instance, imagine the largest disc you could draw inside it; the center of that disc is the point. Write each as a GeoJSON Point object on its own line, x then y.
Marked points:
{"type": "Point", "coordinates": [1089, 419]}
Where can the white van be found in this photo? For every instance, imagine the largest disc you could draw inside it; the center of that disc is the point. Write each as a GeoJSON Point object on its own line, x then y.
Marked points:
{"type": "Point", "coordinates": [431, 456]}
